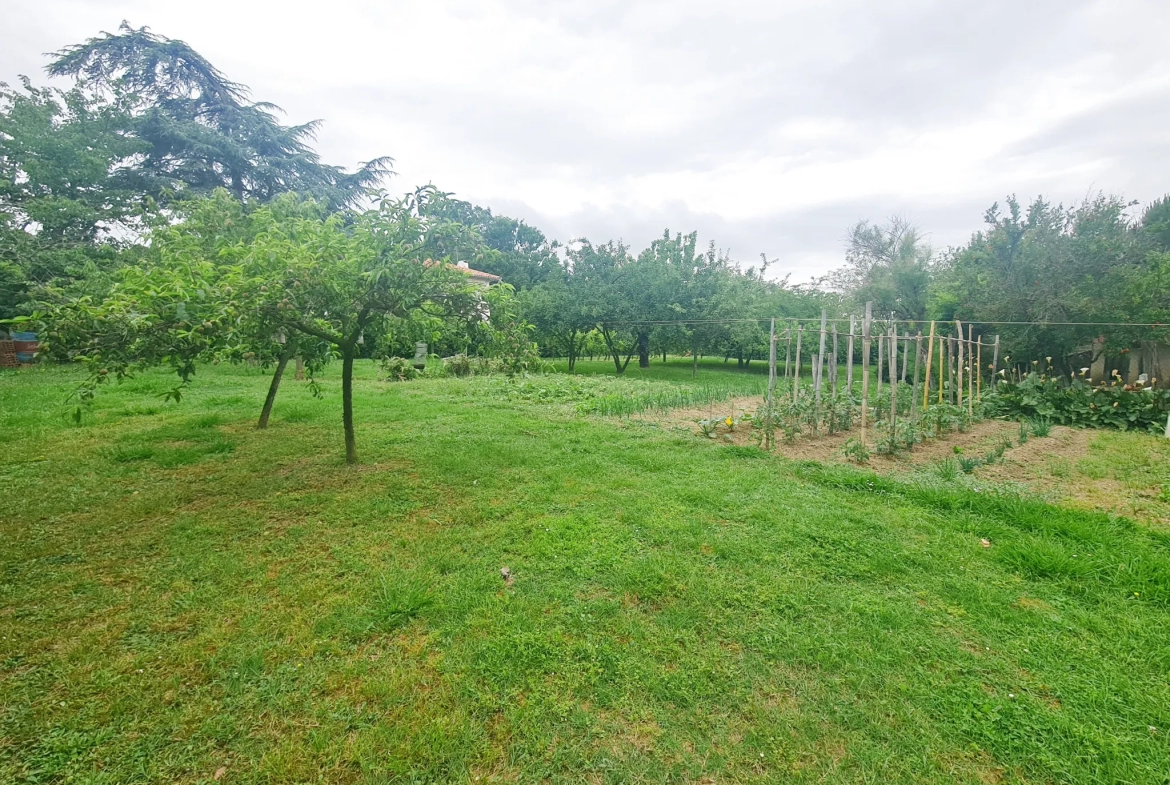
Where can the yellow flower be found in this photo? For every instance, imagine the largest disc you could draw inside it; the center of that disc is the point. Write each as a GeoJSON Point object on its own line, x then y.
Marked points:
{"type": "Point", "coordinates": [728, 421]}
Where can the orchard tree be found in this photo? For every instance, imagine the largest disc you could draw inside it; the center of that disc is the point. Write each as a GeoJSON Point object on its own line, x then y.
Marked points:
{"type": "Point", "coordinates": [342, 283]}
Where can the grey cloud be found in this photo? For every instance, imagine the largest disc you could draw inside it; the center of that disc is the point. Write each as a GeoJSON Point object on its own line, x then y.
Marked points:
{"type": "Point", "coordinates": [726, 82]}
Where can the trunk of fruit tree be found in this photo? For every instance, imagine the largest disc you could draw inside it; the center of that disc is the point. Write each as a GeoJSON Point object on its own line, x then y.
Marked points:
{"type": "Point", "coordinates": [300, 376]}
{"type": "Point", "coordinates": [573, 349]}
{"type": "Point", "coordinates": [289, 349]}
{"type": "Point", "coordinates": [347, 353]}
{"type": "Point", "coordinates": [615, 354]}
{"type": "Point", "coordinates": [643, 350]}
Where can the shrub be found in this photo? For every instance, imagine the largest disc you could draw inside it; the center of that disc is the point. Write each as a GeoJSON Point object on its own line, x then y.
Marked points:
{"type": "Point", "coordinates": [399, 369]}
{"type": "Point", "coordinates": [856, 451]}
{"type": "Point", "coordinates": [1075, 402]}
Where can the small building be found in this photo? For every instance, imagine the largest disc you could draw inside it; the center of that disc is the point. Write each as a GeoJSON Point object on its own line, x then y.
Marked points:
{"type": "Point", "coordinates": [1151, 358]}
{"type": "Point", "coordinates": [478, 276]}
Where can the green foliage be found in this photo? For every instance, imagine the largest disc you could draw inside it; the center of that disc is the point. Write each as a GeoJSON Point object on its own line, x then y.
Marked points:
{"type": "Point", "coordinates": [1080, 404]}
{"type": "Point", "coordinates": [1040, 426]}
{"type": "Point", "coordinates": [197, 129]}
{"type": "Point", "coordinates": [505, 336]}
{"type": "Point", "coordinates": [399, 369]}
{"type": "Point", "coordinates": [66, 200]}
{"type": "Point", "coordinates": [888, 265]}
{"type": "Point", "coordinates": [310, 620]}
{"type": "Point", "coordinates": [856, 451]}
{"type": "Point", "coordinates": [637, 398]}
{"type": "Point", "coordinates": [1048, 263]}
{"type": "Point", "coordinates": [947, 469]}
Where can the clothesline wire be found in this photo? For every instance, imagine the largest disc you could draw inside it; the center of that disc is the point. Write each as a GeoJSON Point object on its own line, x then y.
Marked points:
{"type": "Point", "coordinates": [922, 322]}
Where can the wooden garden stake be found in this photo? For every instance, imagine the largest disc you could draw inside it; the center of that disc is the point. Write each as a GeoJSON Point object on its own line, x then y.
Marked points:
{"type": "Point", "coordinates": [881, 349]}
{"type": "Point", "coordinates": [849, 362]}
{"type": "Point", "coordinates": [865, 366]}
{"type": "Point", "coordinates": [979, 365]}
{"type": "Point", "coordinates": [820, 369]}
{"type": "Point", "coordinates": [892, 370]}
{"type": "Point", "coordinates": [833, 365]}
{"type": "Point", "coordinates": [995, 361]}
{"type": "Point", "coordinates": [941, 375]}
{"type": "Point", "coordinates": [771, 361]}
{"type": "Point", "coordinates": [787, 352]}
{"type": "Point", "coordinates": [796, 378]}
{"type": "Point", "coordinates": [929, 360]}
{"type": "Point", "coordinates": [905, 355]}
{"type": "Point", "coordinates": [893, 383]}
{"type": "Point", "coordinates": [917, 373]}
{"type": "Point", "coordinates": [959, 363]}
{"type": "Point", "coordinates": [950, 350]}
{"type": "Point", "coordinates": [970, 373]}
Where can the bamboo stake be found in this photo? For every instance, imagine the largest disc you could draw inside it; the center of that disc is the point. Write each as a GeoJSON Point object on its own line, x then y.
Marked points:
{"type": "Point", "coordinates": [865, 367]}
{"type": "Point", "coordinates": [849, 362]}
{"type": "Point", "coordinates": [796, 378]}
{"type": "Point", "coordinates": [881, 349]}
{"type": "Point", "coordinates": [959, 363]}
{"type": "Point", "coordinates": [929, 360]}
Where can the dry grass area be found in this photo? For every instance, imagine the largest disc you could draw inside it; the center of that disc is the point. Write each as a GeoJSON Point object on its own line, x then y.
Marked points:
{"type": "Point", "coordinates": [1125, 473]}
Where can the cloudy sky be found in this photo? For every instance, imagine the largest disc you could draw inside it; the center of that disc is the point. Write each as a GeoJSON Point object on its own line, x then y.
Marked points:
{"type": "Point", "coordinates": [766, 126]}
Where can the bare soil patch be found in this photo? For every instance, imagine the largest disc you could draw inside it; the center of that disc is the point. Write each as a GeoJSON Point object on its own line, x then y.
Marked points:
{"type": "Point", "coordinates": [1052, 467]}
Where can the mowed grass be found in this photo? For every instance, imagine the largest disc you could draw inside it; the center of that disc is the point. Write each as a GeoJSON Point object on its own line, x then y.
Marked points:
{"type": "Point", "coordinates": [182, 596]}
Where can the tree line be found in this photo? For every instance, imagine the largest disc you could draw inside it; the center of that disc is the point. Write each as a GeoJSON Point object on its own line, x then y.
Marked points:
{"type": "Point", "coordinates": [153, 213]}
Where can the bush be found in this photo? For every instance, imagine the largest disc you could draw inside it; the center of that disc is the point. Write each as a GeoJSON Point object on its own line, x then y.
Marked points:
{"type": "Point", "coordinates": [399, 369]}
{"type": "Point", "coordinates": [1078, 403]}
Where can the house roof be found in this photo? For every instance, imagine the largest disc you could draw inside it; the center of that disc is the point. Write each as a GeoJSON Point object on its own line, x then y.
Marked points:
{"type": "Point", "coordinates": [479, 276]}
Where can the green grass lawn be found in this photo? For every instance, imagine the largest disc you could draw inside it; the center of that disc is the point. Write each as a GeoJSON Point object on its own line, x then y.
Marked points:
{"type": "Point", "coordinates": [181, 594]}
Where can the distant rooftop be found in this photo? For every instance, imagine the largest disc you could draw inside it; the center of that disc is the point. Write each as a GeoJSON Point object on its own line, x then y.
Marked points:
{"type": "Point", "coordinates": [478, 275]}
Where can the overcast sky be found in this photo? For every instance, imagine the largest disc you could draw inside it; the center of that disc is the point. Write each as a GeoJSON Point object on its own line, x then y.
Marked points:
{"type": "Point", "coordinates": [766, 126]}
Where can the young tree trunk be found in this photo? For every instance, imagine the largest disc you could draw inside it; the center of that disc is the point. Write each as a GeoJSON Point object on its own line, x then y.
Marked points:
{"type": "Point", "coordinates": [694, 359]}
{"type": "Point", "coordinates": [289, 349]}
{"type": "Point", "coordinates": [613, 352]}
{"type": "Point", "coordinates": [300, 377]}
{"type": "Point", "coordinates": [347, 403]}
{"type": "Point", "coordinates": [643, 350]}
